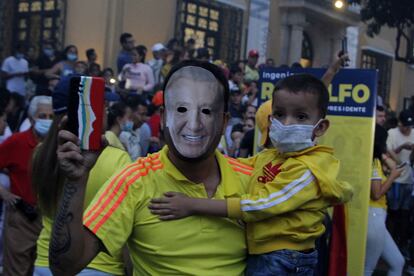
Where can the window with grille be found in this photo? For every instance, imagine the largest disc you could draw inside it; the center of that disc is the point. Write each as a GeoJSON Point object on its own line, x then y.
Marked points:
{"type": "Point", "coordinates": [39, 20]}
{"type": "Point", "coordinates": [213, 25]}
{"type": "Point", "coordinates": [383, 63]}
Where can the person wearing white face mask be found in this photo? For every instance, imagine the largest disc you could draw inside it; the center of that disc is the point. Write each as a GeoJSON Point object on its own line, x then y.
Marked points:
{"type": "Point", "coordinates": [119, 119]}
{"type": "Point", "coordinates": [65, 67]}
{"type": "Point", "coordinates": [23, 224]}
{"type": "Point", "coordinates": [291, 186]}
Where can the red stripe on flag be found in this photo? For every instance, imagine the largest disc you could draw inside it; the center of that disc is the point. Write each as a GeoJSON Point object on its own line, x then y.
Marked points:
{"type": "Point", "coordinates": [338, 248]}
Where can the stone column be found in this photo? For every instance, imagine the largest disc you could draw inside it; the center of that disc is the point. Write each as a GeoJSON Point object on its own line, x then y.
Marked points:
{"type": "Point", "coordinates": [295, 43]}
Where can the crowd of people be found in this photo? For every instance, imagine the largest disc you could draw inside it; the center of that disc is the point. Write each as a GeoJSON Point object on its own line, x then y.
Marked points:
{"type": "Point", "coordinates": [159, 143]}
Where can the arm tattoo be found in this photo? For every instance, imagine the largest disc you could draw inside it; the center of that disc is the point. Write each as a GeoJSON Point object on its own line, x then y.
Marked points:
{"type": "Point", "coordinates": [61, 236]}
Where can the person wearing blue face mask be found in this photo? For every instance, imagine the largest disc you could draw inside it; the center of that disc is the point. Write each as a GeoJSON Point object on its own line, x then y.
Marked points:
{"type": "Point", "coordinates": [119, 119]}
{"type": "Point", "coordinates": [23, 222]}
{"type": "Point", "coordinates": [14, 70]}
{"type": "Point", "coordinates": [291, 187]}
{"type": "Point", "coordinates": [47, 59]}
{"type": "Point", "coordinates": [65, 67]}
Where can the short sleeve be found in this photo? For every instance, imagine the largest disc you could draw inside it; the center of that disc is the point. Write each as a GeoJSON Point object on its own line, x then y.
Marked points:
{"type": "Point", "coordinates": [111, 214]}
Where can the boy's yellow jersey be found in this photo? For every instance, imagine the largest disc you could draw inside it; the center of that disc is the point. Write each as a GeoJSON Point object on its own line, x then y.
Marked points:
{"type": "Point", "coordinates": [288, 197]}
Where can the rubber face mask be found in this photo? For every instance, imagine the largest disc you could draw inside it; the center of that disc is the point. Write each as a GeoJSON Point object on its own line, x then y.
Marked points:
{"type": "Point", "coordinates": [42, 126]}
{"type": "Point", "coordinates": [291, 138]}
{"type": "Point", "coordinates": [194, 113]}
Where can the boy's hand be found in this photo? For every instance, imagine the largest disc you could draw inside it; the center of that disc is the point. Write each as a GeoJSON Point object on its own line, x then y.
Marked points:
{"type": "Point", "coordinates": [173, 206]}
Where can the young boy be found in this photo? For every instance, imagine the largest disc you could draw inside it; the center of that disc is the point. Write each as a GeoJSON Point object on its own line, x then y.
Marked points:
{"type": "Point", "coordinates": [291, 187]}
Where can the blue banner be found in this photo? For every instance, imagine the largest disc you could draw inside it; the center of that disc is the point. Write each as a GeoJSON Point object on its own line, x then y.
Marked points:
{"type": "Point", "coordinates": [351, 93]}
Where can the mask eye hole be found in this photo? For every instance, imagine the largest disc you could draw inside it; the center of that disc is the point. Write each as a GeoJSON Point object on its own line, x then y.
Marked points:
{"type": "Point", "coordinates": [182, 109]}
{"type": "Point", "coordinates": [206, 111]}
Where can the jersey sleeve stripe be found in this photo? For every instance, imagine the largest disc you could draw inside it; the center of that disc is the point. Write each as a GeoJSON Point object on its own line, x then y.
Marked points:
{"type": "Point", "coordinates": [236, 163]}
{"type": "Point", "coordinates": [127, 170]}
{"type": "Point", "coordinates": [243, 171]}
{"type": "Point", "coordinates": [115, 205]}
{"type": "Point", "coordinates": [120, 199]}
{"type": "Point", "coordinates": [281, 192]}
{"type": "Point", "coordinates": [280, 200]}
{"type": "Point", "coordinates": [101, 205]}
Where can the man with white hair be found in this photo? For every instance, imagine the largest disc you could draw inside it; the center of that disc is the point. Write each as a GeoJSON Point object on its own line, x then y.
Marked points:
{"type": "Point", "coordinates": [22, 224]}
{"type": "Point", "coordinates": [156, 63]}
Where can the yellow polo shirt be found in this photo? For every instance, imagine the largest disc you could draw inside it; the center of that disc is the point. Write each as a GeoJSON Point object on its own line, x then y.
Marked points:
{"type": "Point", "coordinates": [378, 174]}
{"type": "Point", "coordinates": [196, 245]}
{"type": "Point", "coordinates": [108, 163]}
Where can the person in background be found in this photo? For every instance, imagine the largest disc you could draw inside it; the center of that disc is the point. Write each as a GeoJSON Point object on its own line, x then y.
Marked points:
{"type": "Point", "coordinates": [23, 221]}
{"type": "Point", "coordinates": [400, 143]}
{"type": "Point", "coordinates": [46, 60]}
{"type": "Point", "coordinates": [110, 81]}
{"type": "Point", "coordinates": [236, 137]}
{"type": "Point", "coordinates": [14, 70]}
{"type": "Point", "coordinates": [81, 68]}
{"type": "Point", "coordinates": [142, 49]}
{"type": "Point", "coordinates": [125, 55]}
{"type": "Point", "coordinates": [48, 182]}
{"type": "Point", "coordinates": [250, 70]}
{"type": "Point", "coordinates": [158, 51]}
{"type": "Point", "coordinates": [203, 54]}
{"type": "Point", "coordinates": [94, 70]}
{"type": "Point", "coordinates": [190, 46]}
{"type": "Point", "coordinates": [379, 241]}
{"type": "Point", "coordinates": [91, 56]}
{"type": "Point", "coordinates": [5, 133]}
{"type": "Point", "coordinates": [380, 116]}
{"type": "Point", "coordinates": [119, 119]}
{"type": "Point", "coordinates": [132, 139]}
{"type": "Point", "coordinates": [154, 121]}
{"type": "Point", "coordinates": [138, 76]}
{"type": "Point", "coordinates": [65, 67]}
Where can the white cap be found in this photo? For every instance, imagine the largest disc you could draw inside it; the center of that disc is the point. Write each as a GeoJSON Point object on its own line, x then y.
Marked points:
{"type": "Point", "coordinates": [158, 47]}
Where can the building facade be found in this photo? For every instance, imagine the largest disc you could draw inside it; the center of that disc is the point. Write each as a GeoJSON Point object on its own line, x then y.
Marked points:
{"type": "Point", "coordinates": [304, 31]}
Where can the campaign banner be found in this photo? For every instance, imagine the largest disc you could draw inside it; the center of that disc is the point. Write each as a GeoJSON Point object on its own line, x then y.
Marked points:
{"type": "Point", "coordinates": [351, 133]}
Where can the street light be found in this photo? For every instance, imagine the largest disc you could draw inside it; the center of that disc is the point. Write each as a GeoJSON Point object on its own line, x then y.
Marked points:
{"type": "Point", "coordinates": [339, 4]}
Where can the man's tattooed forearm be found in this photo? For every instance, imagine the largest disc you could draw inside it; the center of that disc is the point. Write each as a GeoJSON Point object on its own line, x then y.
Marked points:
{"type": "Point", "coordinates": [61, 237]}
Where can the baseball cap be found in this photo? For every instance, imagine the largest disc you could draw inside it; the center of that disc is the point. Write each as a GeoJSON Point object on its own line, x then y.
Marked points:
{"type": "Point", "coordinates": [158, 99]}
{"type": "Point", "coordinates": [158, 47]}
{"type": "Point", "coordinates": [262, 120]}
{"type": "Point", "coordinates": [406, 118]}
{"type": "Point", "coordinates": [253, 53]}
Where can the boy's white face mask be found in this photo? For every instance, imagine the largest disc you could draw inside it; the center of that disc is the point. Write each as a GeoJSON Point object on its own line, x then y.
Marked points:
{"type": "Point", "coordinates": [291, 138]}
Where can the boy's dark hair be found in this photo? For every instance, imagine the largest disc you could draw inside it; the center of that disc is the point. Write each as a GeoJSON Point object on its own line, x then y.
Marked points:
{"type": "Point", "coordinates": [237, 128]}
{"type": "Point", "coordinates": [308, 84]}
{"type": "Point", "coordinates": [215, 70]}
{"type": "Point", "coordinates": [90, 52]}
{"type": "Point", "coordinates": [123, 38]}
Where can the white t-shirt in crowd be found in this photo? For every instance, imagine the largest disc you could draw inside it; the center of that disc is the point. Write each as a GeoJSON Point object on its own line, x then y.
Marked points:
{"type": "Point", "coordinates": [396, 139]}
{"type": "Point", "coordinates": [13, 65]}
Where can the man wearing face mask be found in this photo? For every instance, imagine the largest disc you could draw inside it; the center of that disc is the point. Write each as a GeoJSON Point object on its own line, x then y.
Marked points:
{"type": "Point", "coordinates": [47, 59]}
{"type": "Point", "coordinates": [14, 70]}
{"type": "Point", "coordinates": [23, 224]}
{"type": "Point", "coordinates": [195, 100]}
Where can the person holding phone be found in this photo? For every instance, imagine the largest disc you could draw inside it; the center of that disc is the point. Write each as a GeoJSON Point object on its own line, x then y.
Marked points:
{"type": "Point", "coordinates": [379, 241]}
{"type": "Point", "coordinates": [400, 143]}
